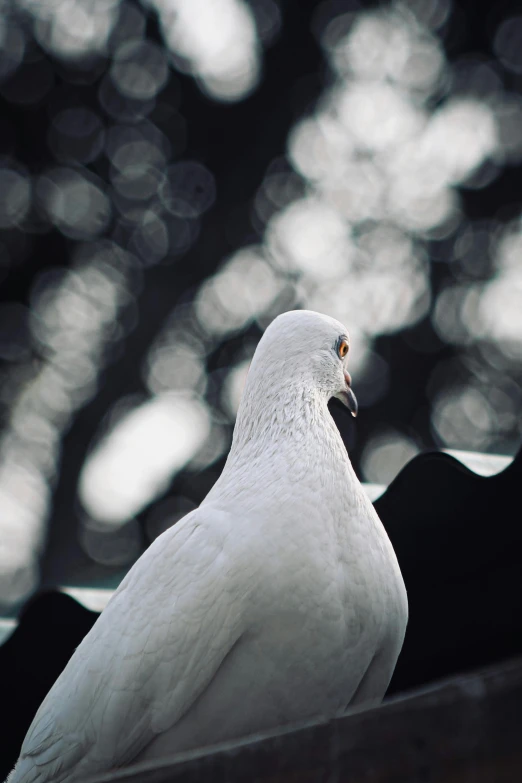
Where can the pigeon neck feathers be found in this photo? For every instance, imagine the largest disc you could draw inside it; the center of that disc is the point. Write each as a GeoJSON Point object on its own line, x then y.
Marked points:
{"type": "Point", "coordinates": [287, 447]}
{"type": "Point", "coordinates": [285, 437]}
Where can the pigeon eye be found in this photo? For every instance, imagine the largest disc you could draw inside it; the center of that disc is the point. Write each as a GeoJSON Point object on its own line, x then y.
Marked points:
{"type": "Point", "coordinates": [343, 349]}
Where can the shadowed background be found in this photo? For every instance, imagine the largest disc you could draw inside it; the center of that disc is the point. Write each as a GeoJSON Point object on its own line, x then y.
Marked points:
{"type": "Point", "coordinates": [174, 174]}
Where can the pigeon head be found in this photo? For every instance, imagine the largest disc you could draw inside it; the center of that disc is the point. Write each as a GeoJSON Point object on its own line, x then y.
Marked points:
{"type": "Point", "coordinates": [309, 351]}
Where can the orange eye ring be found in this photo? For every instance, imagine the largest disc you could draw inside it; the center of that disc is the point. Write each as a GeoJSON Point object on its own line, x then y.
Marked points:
{"type": "Point", "coordinates": [343, 348]}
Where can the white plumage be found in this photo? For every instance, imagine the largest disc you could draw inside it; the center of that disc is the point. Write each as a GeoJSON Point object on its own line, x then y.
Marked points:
{"type": "Point", "coordinates": [279, 599]}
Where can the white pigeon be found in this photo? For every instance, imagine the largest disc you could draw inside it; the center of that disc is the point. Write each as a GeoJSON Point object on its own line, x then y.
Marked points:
{"type": "Point", "coordinates": [278, 600]}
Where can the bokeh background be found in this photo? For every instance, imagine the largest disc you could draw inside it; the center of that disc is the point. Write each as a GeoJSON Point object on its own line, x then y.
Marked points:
{"type": "Point", "coordinates": [174, 174]}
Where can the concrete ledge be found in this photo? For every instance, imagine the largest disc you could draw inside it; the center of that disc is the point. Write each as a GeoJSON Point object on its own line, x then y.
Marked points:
{"type": "Point", "coordinates": [467, 729]}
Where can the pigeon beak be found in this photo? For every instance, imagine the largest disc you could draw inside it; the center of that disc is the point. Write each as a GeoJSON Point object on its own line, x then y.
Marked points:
{"type": "Point", "coordinates": [347, 396]}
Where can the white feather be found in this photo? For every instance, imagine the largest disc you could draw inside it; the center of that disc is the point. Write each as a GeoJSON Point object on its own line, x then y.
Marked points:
{"type": "Point", "coordinates": [278, 600]}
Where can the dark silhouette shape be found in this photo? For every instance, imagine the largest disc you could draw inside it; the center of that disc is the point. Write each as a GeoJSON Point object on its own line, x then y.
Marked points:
{"type": "Point", "coordinates": [458, 539]}
{"type": "Point", "coordinates": [51, 626]}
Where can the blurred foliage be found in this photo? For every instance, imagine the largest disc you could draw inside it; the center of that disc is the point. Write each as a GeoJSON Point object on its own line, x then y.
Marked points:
{"type": "Point", "coordinates": [174, 174]}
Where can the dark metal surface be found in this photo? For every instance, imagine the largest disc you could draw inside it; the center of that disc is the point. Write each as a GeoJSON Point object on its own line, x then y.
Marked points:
{"type": "Point", "coordinates": [465, 729]}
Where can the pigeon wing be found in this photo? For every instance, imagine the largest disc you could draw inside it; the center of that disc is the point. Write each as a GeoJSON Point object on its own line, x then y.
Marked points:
{"type": "Point", "coordinates": [152, 652]}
